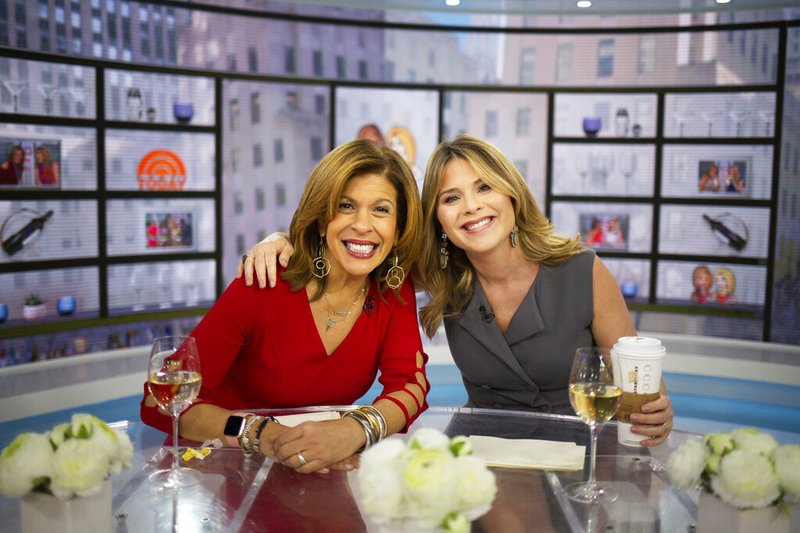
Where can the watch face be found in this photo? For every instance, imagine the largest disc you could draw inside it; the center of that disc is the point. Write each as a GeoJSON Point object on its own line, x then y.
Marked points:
{"type": "Point", "coordinates": [234, 426]}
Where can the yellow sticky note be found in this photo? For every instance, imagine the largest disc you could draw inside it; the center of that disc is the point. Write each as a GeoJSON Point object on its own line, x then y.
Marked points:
{"type": "Point", "coordinates": [191, 453]}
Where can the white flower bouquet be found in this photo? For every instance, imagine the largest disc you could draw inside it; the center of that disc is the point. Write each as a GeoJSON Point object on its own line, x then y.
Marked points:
{"type": "Point", "coordinates": [745, 468]}
{"type": "Point", "coordinates": [431, 482]}
{"type": "Point", "coordinates": [73, 459]}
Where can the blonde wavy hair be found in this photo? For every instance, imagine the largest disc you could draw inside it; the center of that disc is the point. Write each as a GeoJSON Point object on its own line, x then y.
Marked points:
{"type": "Point", "coordinates": [450, 289]}
{"type": "Point", "coordinates": [320, 200]}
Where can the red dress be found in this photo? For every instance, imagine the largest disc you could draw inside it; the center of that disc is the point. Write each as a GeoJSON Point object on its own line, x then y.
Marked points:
{"type": "Point", "coordinates": [261, 349]}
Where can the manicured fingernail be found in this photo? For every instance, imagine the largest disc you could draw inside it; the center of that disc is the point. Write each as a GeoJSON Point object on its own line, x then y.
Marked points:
{"type": "Point", "coordinates": [272, 284]}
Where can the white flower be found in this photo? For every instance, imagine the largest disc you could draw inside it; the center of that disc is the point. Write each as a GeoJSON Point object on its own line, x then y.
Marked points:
{"type": "Point", "coordinates": [455, 523]}
{"type": "Point", "coordinates": [429, 483]}
{"type": "Point", "coordinates": [124, 456]}
{"type": "Point", "coordinates": [752, 440]}
{"type": "Point", "coordinates": [460, 446]}
{"type": "Point", "coordinates": [24, 463]}
{"type": "Point", "coordinates": [720, 443]}
{"type": "Point", "coordinates": [429, 438]}
{"type": "Point", "coordinates": [79, 467]}
{"type": "Point", "coordinates": [476, 487]}
{"type": "Point", "coordinates": [787, 468]}
{"type": "Point", "coordinates": [379, 480]}
{"type": "Point", "coordinates": [428, 480]}
{"type": "Point", "coordinates": [687, 463]}
{"type": "Point", "coordinates": [746, 480]}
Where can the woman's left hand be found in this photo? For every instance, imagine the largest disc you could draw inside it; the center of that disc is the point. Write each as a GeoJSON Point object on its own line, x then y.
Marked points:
{"type": "Point", "coordinates": [319, 446]}
{"type": "Point", "coordinates": [655, 421]}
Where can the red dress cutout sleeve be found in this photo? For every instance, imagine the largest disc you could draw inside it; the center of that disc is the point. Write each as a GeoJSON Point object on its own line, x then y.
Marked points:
{"type": "Point", "coordinates": [261, 349]}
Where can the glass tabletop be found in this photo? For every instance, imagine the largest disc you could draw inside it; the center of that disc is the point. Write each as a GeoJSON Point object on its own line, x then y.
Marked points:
{"type": "Point", "coordinates": [239, 493]}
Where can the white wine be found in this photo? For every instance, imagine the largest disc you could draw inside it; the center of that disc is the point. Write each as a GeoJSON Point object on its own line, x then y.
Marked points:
{"type": "Point", "coordinates": [175, 391]}
{"type": "Point", "coordinates": [595, 403]}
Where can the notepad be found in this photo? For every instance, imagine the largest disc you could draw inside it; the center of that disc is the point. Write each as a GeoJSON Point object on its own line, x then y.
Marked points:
{"type": "Point", "coordinates": [528, 453]}
{"type": "Point", "coordinates": [294, 420]}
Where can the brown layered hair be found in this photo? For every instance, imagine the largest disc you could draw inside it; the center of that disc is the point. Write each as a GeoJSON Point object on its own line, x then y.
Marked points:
{"type": "Point", "coordinates": [320, 201]}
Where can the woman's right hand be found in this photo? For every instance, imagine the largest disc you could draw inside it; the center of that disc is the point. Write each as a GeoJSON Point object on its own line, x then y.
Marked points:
{"type": "Point", "coordinates": [261, 259]}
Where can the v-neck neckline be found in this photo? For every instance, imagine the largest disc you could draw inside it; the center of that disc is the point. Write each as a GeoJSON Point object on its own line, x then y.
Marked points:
{"type": "Point", "coordinates": [349, 333]}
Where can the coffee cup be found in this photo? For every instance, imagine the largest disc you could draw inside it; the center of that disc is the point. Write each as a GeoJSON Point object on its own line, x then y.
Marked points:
{"type": "Point", "coordinates": [637, 371]}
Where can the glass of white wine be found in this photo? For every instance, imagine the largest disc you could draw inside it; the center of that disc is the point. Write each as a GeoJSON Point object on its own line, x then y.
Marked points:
{"type": "Point", "coordinates": [595, 399]}
{"type": "Point", "coordinates": [174, 380]}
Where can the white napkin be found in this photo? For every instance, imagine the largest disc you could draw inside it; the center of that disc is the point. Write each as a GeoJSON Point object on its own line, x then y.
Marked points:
{"type": "Point", "coordinates": [528, 453]}
{"type": "Point", "coordinates": [294, 420]}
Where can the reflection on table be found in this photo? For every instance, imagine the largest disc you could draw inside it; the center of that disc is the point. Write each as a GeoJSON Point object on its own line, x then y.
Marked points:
{"type": "Point", "coordinates": [238, 493]}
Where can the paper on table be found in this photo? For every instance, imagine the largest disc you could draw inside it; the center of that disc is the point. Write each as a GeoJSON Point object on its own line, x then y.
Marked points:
{"type": "Point", "coordinates": [293, 420]}
{"type": "Point", "coordinates": [528, 453]}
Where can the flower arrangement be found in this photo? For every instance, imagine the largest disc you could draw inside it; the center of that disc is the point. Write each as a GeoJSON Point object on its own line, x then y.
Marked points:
{"type": "Point", "coordinates": [745, 468]}
{"type": "Point", "coordinates": [433, 481]}
{"type": "Point", "coordinates": [73, 459]}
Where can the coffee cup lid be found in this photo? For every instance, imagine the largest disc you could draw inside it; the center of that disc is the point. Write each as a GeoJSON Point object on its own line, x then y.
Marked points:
{"type": "Point", "coordinates": [639, 346]}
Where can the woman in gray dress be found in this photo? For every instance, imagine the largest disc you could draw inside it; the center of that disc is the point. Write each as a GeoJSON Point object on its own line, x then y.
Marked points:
{"type": "Point", "coordinates": [516, 299]}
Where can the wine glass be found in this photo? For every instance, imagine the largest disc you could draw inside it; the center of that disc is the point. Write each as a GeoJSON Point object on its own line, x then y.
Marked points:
{"type": "Point", "coordinates": [595, 399]}
{"type": "Point", "coordinates": [15, 87]}
{"type": "Point", "coordinates": [174, 379]}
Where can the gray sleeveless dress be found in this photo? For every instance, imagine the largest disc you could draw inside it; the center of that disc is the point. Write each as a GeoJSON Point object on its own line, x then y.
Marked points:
{"type": "Point", "coordinates": [527, 368]}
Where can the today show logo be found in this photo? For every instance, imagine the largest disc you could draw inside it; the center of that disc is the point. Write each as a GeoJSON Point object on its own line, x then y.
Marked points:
{"type": "Point", "coordinates": [161, 170]}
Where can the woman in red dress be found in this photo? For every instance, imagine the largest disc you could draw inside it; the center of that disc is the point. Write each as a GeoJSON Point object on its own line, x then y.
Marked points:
{"type": "Point", "coordinates": [342, 311]}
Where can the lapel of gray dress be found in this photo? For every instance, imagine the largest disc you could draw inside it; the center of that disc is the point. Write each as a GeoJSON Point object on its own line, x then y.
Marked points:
{"type": "Point", "coordinates": [489, 335]}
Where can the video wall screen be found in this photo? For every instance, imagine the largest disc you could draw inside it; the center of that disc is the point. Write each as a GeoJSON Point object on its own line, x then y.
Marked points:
{"type": "Point", "coordinates": [146, 227]}
{"type": "Point", "coordinates": [713, 230]}
{"type": "Point", "coordinates": [405, 120]}
{"type": "Point", "coordinates": [621, 227]}
{"type": "Point", "coordinates": [603, 169]}
{"type": "Point", "coordinates": [514, 122]}
{"type": "Point", "coordinates": [159, 286]}
{"type": "Point", "coordinates": [47, 157]}
{"type": "Point", "coordinates": [728, 172]}
{"type": "Point", "coordinates": [720, 115]}
{"type": "Point", "coordinates": [40, 230]}
{"type": "Point", "coordinates": [49, 295]}
{"type": "Point", "coordinates": [159, 161]}
{"type": "Point", "coordinates": [712, 284]}
{"type": "Point", "coordinates": [136, 96]}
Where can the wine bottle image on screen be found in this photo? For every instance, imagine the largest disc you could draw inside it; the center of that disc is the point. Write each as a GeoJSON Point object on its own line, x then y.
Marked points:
{"type": "Point", "coordinates": [18, 240]}
{"type": "Point", "coordinates": [725, 234]}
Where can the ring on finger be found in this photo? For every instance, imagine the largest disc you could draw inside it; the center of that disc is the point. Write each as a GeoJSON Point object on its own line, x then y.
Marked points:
{"type": "Point", "coordinates": [301, 458]}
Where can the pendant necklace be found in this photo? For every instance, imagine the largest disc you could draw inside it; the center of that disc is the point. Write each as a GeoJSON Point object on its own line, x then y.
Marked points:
{"type": "Point", "coordinates": [330, 322]}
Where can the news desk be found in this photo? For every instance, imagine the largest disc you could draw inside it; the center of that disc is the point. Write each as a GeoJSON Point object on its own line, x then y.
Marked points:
{"type": "Point", "coordinates": [238, 493]}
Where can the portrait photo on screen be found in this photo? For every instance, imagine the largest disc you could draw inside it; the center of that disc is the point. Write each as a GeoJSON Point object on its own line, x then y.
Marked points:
{"type": "Point", "coordinates": [168, 230]}
{"type": "Point", "coordinates": [30, 163]}
{"type": "Point", "coordinates": [605, 231]}
{"type": "Point", "coordinates": [725, 176]}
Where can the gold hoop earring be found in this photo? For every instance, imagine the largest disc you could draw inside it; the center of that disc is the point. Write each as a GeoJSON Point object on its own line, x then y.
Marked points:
{"type": "Point", "coordinates": [321, 265]}
{"type": "Point", "coordinates": [514, 234]}
{"type": "Point", "coordinates": [444, 255]}
{"type": "Point", "coordinates": [395, 275]}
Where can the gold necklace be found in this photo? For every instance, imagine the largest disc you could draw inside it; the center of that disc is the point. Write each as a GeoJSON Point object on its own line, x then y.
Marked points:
{"type": "Point", "coordinates": [330, 322]}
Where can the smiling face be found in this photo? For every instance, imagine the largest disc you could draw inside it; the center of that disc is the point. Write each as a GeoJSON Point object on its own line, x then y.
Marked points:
{"type": "Point", "coordinates": [475, 217]}
{"type": "Point", "coordinates": [363, 230]}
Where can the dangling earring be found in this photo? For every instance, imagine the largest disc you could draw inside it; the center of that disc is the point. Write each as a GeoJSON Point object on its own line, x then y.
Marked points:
{"type": "Point", "coordinates": [395, 275]}
{"type": "Point", "coordinates": [514, 233]}
{"type": "Point", "coordinates": [321, 265]}
{"type": "Point", "coordinates": [444, 255]}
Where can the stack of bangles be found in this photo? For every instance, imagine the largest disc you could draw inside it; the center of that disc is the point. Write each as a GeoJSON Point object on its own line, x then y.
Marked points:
{"type": "Point", "coordinates": [373, 423]}
{"type": "Point", "coordinates": [247, 445]}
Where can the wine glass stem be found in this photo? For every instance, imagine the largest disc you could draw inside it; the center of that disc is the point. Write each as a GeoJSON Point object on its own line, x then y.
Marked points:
{"type": "Point", "coordinates": [176, 463]}
{"type": "Point", "coordinates": [592, 455]}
